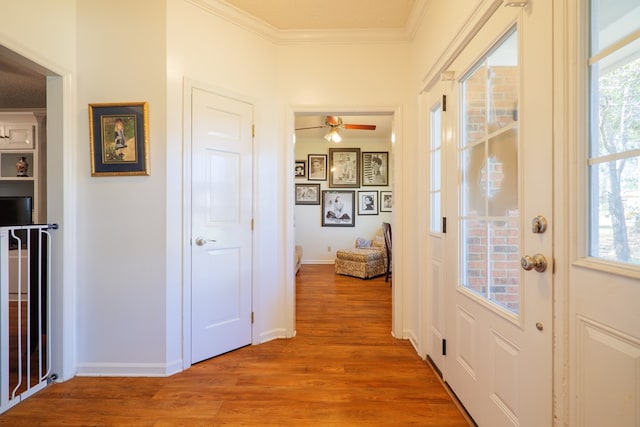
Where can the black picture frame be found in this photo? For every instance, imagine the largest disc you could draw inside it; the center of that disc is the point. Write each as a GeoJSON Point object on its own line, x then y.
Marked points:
{"type": "Point", "coordinates": [300, 169]}
{"type": "Point", "coordinates": [367, 203]}
{"type": "Point", "coordinates": [307, 194]}
{"type": "Point", "coordinates": [338, 208]}
{"type": "Point", "coordinates": [119, 138]}
{"type": "Point", "coordinates": [375, 168]}
{"type": "Point", "coordinates": [317, 170]}
{"type": "Point", "coordinates": [344, 167]}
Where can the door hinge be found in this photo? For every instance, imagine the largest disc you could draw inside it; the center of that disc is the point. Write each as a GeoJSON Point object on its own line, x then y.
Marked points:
{"type": "Point", "coordinates": [444, 347]}
{"type": "Point", "coordinates": [444, 225]}
{"type": "Point", "coordinates": [253, 131]}
{"type": "Point", "coordinates": [252, 317]}
{"type": "Point", "coordinates": [251, 224]}
{"type": "Point", "coordinates": [444, 102]}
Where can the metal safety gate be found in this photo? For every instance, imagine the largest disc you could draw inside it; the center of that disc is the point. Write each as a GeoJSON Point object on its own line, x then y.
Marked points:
{"type": "Point", "coordinates": [25, 312]}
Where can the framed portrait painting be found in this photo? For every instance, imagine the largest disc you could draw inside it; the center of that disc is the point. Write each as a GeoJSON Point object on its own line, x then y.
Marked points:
{"type": "Point", "coordinates": [367, 203]}
{"type": "Point", "coordinates": [307, 194]}
{"type": "Point", "coordinates": [386, 201]}
{"type": "Point", "coordinates": [344, 167]}
{"type": "Point", "coordinates": [338, 208]}
{"type": "Point", "coordinates": [301, 169]}
{"type": "Point", "coordinates": [119, 139]}
{"type": "Point", "coordinates": [375, 168]}
{"type": "Point", "coordinates": [317, 167]}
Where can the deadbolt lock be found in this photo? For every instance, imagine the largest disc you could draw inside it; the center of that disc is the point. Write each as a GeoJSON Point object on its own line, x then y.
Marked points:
{"type": "Point", "coordinates": [538, 225]}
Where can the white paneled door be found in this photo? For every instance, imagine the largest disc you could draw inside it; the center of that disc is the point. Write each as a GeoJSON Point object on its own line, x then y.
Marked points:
{"type": "Point", "coordinates": [436, 329]}
{"type": "Point", "coordinates": [499, 230]}
{"type": "Point", "coordinates": [221, 215]}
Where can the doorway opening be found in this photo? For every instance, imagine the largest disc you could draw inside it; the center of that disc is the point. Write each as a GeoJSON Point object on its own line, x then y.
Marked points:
{"type": "Point", "coordinates": [33, 95]}
{"type": "Point", "coordinates": [358, 170]}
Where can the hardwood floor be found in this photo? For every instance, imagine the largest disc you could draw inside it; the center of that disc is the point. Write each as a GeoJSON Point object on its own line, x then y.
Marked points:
{"type": "Point", "coordinates": [343, 368]}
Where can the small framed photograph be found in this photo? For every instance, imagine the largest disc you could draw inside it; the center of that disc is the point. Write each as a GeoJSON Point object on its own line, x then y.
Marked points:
{"type": "Point", "coordinates": [344, 167]}
{"type": "Point", "coordinates": [338, 208]}
{"type": "Point", "coordinates": [317, 167]}
{"type": "Point", "coordinates": [375, 168]}
{"type": "Point", "coordinates": [307, 194]}
{"type": "Point", "coordinates": [119, 135]}
{"type": "Point", "coordinates": [386, 201]}
{"type": "Point", "coordinates": [367, 203]}
{"type": "Point", "coordinates": [301, 169]}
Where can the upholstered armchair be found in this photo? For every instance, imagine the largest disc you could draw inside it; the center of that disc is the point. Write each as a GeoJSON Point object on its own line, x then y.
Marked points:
{"type": "Point", "coordinates": [367, 259]}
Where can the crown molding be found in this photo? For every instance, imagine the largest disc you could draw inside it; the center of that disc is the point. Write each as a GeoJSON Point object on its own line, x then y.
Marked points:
{"type": "Point", "coordinates": [250, 23]}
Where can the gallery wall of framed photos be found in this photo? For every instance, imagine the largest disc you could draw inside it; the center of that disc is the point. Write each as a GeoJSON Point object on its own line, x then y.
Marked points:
{"type": "Point", "coordinates": [345, 193]}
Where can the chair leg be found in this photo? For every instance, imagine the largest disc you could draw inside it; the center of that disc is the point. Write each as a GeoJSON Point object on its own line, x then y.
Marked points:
{"type": "Point", "coordinates": [388, 273]}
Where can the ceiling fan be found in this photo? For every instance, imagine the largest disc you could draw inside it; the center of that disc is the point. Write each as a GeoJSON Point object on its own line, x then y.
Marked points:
{"type": "Point", "coordinates": [333, 123]}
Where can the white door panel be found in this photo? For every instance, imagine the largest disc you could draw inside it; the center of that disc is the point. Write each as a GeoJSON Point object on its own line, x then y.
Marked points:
{"type": "Point", "coordinates": [220, 224]}
{"type": "Point", "coordinates": [498, 316]}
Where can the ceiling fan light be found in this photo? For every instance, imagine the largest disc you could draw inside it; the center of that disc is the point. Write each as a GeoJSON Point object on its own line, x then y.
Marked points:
{"type": "Point", "coordinates": [333, 136]}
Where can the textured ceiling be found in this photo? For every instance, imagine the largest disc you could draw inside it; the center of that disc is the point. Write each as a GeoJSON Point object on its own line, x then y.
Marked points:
{"type": "Point", "coordinates": [23, 85]}
{"type": "Point", "coordinates": [328, 14]}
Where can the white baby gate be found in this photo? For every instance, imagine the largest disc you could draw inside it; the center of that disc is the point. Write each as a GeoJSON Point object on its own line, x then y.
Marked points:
{"type": "Point", "coordinates": [25, 312]}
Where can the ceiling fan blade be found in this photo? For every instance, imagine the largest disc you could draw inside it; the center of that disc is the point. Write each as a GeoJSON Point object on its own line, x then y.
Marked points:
{"type": "Point", "coordinates": [359, 127]}
{"type": "Point", "coordinates": [312, 127]}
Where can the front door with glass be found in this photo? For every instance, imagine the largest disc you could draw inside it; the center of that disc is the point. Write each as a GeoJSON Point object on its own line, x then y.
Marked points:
{"type": "Point", "coordinates": [498, 301]}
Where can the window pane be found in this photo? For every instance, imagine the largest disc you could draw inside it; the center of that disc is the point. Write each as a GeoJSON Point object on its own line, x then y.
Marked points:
{"type": "Point", "coordinates": [616, 94]}
{"type": "Point", "coordinates": [436, 213]}
{"type": "Point", "coordinates": [503, 84]}
{"type": "Point", "coordinates": [612, 21]}
{"type": "Point", "coordinates": [475, 101]}
{"type": "Point", "coordinates": [475, 256]}
{"type": "Point", "coordinates": [504, 264]}
{"type": "Point", "coordinates": [436, 170]}
{"type": "Point", "coordinates": [615, 222]}
{"type": "Point", "coordinates": [502, 177]}
{"type": "Point", "coordinates": [473, 187]}
{"type": "Point", "coordinates": [436, 128]}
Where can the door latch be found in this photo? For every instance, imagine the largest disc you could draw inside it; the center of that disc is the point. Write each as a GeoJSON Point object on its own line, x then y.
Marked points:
{"type": "Point", "coordinates": [538, 262]}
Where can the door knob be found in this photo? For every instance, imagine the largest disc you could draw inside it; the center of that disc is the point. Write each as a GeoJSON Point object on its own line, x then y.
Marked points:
{"type": "Point", "coordinates": [537, 262]}
{"type": "Point", "coordinates": [201, 242]}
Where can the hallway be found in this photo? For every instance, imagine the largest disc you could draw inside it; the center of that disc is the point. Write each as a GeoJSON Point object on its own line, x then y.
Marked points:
{"type": "Point", "coordinates": [342, 368]}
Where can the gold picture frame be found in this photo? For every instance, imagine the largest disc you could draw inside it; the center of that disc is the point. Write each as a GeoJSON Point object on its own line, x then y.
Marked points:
{"type": "Point", "coordinates": [119, 139]}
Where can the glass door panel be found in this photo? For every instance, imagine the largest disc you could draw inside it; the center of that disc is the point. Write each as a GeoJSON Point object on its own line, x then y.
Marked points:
{"type": "Point", "coordinates": [490, 219]}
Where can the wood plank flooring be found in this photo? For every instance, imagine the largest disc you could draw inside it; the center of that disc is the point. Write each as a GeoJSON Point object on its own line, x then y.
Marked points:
{"type": "Point", "coordinates": [343, 368]}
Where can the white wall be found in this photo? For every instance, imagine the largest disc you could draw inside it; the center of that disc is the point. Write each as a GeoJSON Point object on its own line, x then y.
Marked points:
{"type": "Point", "coordinates": [121, 238]}
{"type": "Point", "coordinates": [309, 233]}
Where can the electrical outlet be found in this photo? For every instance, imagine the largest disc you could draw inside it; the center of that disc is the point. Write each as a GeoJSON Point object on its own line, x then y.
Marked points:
{"type": "Point", "coordinates": [328, 248]}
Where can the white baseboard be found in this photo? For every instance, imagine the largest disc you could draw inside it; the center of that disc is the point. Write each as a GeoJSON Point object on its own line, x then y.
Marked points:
{"type": "Point", "coordinates": [271, 335]}
{"type": "Point", "coordinates": [129, 369]}
{"type": "Point", "coordinates": [318, 261]}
